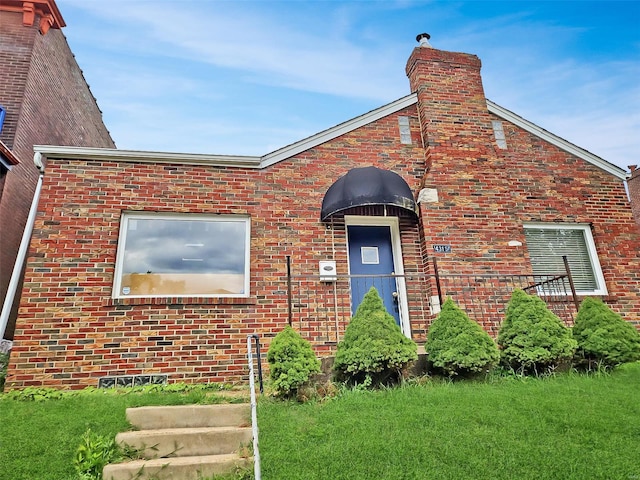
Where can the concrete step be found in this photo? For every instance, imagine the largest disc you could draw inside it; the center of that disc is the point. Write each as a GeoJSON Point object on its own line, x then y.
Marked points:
{"type": "Point", "coordinates": [190, 416]}
{"type": "Point", "coordinates": [186, 442]}
{"type": "Point", "coordinates": [177, 468]}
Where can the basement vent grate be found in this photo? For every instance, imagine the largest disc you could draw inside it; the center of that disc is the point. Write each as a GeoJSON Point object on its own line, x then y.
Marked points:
{"type": "Point", "coordinates": [131, 381]}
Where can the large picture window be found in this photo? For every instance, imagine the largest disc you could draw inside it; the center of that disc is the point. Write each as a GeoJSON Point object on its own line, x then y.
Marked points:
{"type": "Point", "coordinates": [547, 243]}
{"type": "Point", "coordinates": [182, 255]}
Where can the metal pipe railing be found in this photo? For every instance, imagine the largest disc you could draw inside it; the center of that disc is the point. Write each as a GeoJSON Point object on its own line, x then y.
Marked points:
{"type": "Point", "coordinates": [565, 260]}
{"type": "Point", "coordinates": [317, 307]}
{"type": "Point", "coordinates": [289, 289]}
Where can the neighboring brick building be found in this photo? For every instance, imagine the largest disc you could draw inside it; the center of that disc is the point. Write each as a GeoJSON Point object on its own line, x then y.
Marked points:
{"type": "Point", "coordinates": [46, 101]}
{"type": "Point", "coordinates": [634, 192]}
{"type": "Point", "coordinates": [148, 264]}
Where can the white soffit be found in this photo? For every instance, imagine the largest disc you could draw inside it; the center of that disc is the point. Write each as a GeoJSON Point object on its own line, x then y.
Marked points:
{"type": "Point", "coordinates": [139, 156]}
{"type": "Point", "coordinates": [555, 140]}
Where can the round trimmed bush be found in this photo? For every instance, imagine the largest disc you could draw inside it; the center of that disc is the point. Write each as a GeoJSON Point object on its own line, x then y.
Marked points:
{"type": "Point", "coordinates": [291, 361]}
{"type": "Point", "coordinates": [604, 339]}
{"type": "Point", "coordinates": [456, 345]}
{"type": "Point", "coordinates": [374, 348]}
{"type": "Point", "coordinates": [532, 339]}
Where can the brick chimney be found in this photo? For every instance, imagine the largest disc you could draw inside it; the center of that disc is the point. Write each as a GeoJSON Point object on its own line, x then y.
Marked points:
{"type": "Point", "coordinates": [634, 191]}
{"type": "Point", "coordinates": [457, 129]}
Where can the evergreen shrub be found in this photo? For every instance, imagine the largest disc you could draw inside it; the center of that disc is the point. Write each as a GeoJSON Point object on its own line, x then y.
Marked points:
{"type": "Point", "coordinates": [604, 339]}
{"type": "Point", "coordinates": [374, 349]}
{"type": "Point", "coordinates": [532, 339]}
{"type": "Point", "coordinates": [457, 345]}
{"type": "Point", "coordinates": [291, 361]}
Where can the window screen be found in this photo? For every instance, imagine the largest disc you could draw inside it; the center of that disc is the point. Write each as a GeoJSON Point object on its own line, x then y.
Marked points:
{"type": "Point", "coordinates": [548, 243]}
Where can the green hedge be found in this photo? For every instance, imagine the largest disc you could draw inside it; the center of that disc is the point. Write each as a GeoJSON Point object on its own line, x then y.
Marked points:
{"type": "Point", "coordinates": [532, 339]}
{"type": "Point", "coordinates": [291, 360]}
{"type": "Point", "coordinates": [456, 345]}
{"type": "Point", "coordinates": [604, 339]}
{"type": "Point", "coordinates": [373, 349]}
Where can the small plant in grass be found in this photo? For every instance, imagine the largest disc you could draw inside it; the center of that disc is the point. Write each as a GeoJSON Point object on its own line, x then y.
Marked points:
{"type": "Point", "coordinates": [4, 363]}
{"type": "Point", "coordinates": [291, 361]}
{"type": "Point", "coordinates": [457, 345]}
{"type": "Point", "coordinates": [39, 394]}
{"type": "Point", "coordinates": [238, 474]}
{"type": "Point", "coordinates": [93, 454]}
{"type": "Point", "coordinates": [373, 349]}
{"type": "Point", "coordinates": [604, 339]}
{"type": "Point", "coordinates": [532, 339]}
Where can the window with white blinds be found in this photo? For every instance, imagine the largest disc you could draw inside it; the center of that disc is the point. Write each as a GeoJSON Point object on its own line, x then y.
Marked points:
{"type": "Point", "coordinates": [547, 243]}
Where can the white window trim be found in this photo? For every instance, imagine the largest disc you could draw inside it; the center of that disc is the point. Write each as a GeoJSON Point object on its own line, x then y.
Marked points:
{"type": "Point", "coordinates": [591, 249]}
{"type": "Point", "coordinates": [128, 215]}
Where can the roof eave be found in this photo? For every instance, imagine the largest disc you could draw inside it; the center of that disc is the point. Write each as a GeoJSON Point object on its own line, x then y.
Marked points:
{"type": "Point", "coordinates": [239, 161]}
{"type": "Point", "coordinates": [557, 141]}
{"type": "Point", "coordinates": [341, 129]}
{"type": "Point", "coordinates": [139, 156]}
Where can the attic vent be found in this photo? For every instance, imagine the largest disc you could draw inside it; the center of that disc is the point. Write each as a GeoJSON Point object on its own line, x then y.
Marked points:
{"type": "Point", "coordinates": [498, 132]}
{"type": "Point", "coordinates": [405, 131]}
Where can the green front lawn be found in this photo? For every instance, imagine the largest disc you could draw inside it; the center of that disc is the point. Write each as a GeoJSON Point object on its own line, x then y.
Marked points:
{"type": "Point", "coordinates": [38, 439]}
{"type": "Point", "coordinates": [568, 427]}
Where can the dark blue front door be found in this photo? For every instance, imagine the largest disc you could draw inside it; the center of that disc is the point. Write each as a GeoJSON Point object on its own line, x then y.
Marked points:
{"type": "Point", "coordinates": [370, 253]}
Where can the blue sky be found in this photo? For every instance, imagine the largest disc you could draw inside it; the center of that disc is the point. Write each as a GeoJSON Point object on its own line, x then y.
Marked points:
{"type": "Point", "coordinates": [248, 77]}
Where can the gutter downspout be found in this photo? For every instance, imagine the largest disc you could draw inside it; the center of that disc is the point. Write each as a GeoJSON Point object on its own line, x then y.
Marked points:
{"type": "Point", "coordinates": [22, 250]}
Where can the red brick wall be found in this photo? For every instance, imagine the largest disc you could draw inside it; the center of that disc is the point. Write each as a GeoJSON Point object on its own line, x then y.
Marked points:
{"type": "Point", "coordinates": [486, 193]}
{"type": "Point", "coordinates": [71, 332]}
{"type": "Point", "coordinates": [15, 58]}
{"type": "Point", "coordinates": [47, 102]}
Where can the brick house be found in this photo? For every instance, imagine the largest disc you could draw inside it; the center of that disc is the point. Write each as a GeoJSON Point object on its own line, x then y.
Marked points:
{"type": "Point", "coordinates": [148, 264]}
{"type": "Point", "coordinates": [44, 99]}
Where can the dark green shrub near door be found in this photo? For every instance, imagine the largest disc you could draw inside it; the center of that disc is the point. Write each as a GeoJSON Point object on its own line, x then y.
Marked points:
{"type": "Point", "coordinates": [373, 349]}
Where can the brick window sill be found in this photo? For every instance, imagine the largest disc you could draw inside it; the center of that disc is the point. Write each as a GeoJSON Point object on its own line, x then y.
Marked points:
{"type": "Point", "coordinates": [179, 301]}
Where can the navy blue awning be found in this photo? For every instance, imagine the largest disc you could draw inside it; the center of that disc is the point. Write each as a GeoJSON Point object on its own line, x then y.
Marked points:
{"type": "Point", "coordinates": [367, 186]}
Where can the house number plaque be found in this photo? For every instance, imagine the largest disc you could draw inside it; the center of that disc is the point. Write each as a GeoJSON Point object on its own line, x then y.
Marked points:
{"type": "Point", "coordinates": [442, 248]}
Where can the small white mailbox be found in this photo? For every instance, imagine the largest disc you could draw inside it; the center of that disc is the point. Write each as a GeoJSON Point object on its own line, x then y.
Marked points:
{"type": "Point", "coordinates": [328, 271]}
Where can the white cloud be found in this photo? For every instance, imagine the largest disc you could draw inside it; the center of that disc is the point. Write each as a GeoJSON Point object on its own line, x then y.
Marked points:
{"type": "Point", "coordinates": [248, 75]}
